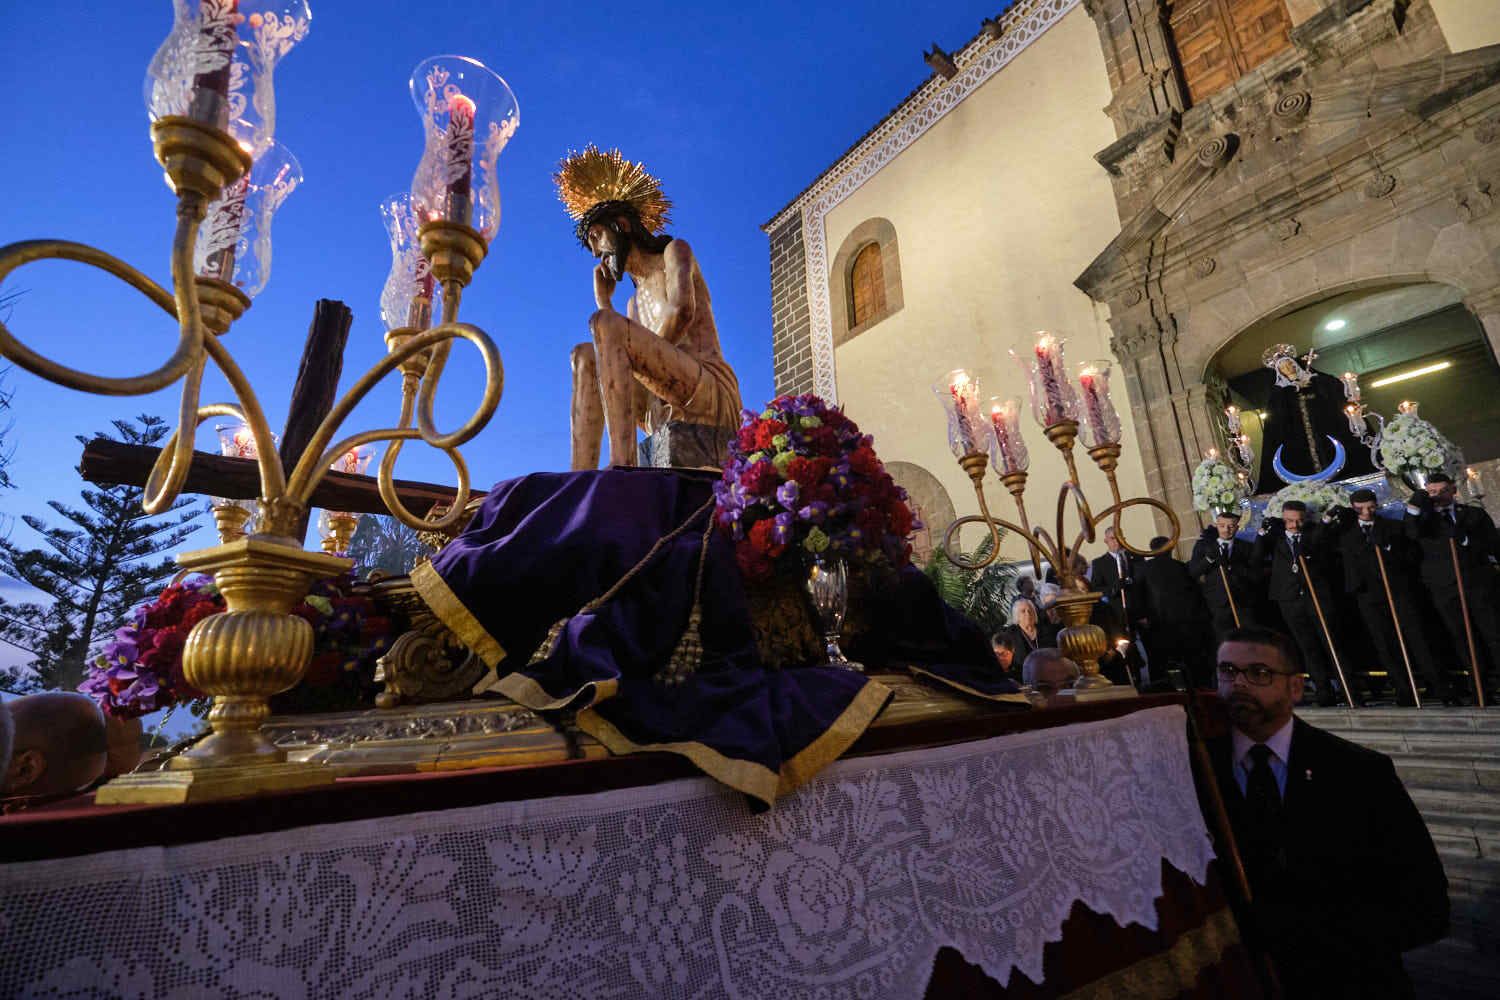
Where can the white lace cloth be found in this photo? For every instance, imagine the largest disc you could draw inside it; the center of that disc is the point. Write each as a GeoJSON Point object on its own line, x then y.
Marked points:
{"type": "Point", "coordinates": [846, 889]}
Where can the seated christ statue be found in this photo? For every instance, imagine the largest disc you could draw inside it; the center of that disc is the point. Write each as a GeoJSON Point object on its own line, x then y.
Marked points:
{"type": "Point", "coordinates": [660, 362]}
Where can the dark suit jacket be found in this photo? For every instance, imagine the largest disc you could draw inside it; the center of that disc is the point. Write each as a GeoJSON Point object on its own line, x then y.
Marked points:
{"type": "Point", "coordinates": [1285, 585]}
{"type": "Point", "coordinates": [1172, 598]}
{"type": "Point", "coordinates": [1362, 572]}
{"type": "Point", "coordinates": [1477, 544]}
{"type": "Point", "coordinates": [1242, 571]}
{"type": "Point", "coordinates": [1359, 881]}
{"type": "Point", "coordinates": [1104, 576]}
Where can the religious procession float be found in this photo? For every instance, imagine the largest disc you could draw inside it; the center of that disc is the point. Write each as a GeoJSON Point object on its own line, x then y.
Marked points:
{"type": "Point", "coordinates": [487, 777]}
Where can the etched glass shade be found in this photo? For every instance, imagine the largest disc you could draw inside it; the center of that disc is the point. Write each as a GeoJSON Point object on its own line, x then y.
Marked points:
{"type": "Point", "coordinates": [968, 432]}
{"type": "Point", "coordinates": [1053, 398]}
{"type": "Point", "coordinates": [234, 239]}
{"type": "Point", "coordinates": [217, 63]}
{"type": "Point", "coordinates": [1007, 449]}
{"type": "Point", "coordinates": [354, 461]}
{"type": "Point", "coordinates": [236, 441]}
{"type": "Point", "coordinates": [411, 298]}
{"type": "Point", "coordinates": [468, 115]}
{"type": "Point", "coordinates": [1101, 424]}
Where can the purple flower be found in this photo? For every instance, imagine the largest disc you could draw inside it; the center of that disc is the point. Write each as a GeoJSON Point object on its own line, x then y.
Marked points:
{"type": "Point", "coordinates": [815, 512]}
{"type": "Point", "coordinates": [781, 533]}
{"type": "Point", "coordinates": [786, 494]}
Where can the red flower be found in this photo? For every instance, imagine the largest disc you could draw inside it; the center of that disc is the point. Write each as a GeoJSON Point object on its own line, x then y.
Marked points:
{"type": "Point", "coordinates": [871, 521]}
{"type": "Point", "coordinates": [765, 431]}
{"type": "Point", "coordinates": [900, 518]}
{"type": "Point", "coordinates": [753, 565]}
{"type": "Point", "coordinates": [823, 441]}
{"type": "Point", "coordinates": [760, 479]}
{"type": "Point", "coordinates": [761, 539]}
{"type": "Point", "coordinates": [745, 439]}
{"type": "Point", "coordinates": [808, 472]}
{"type": "Point", "coordinates": [863, 461]}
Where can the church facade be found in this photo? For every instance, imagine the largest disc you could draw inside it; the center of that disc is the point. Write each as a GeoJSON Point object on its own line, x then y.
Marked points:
{"type": "Point", "coordinates": [1172, 185]}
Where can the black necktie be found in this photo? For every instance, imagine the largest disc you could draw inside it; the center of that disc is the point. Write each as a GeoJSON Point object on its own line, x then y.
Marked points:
{"type": "Point", "coordinates": [1263, 803]}
{"type": "Point", "coordinates": [1369, 530]}
{"type": "Point", "coordinates": [1296, 553]}
{"type": "Point", "coordinates": [1224, 548]}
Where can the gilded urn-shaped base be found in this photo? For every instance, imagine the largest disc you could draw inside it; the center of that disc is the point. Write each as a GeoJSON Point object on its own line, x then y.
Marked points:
{"type": "Point", "coordinates": [1084, 643]}
{"type": "Point", "coordinates": [254, 649]}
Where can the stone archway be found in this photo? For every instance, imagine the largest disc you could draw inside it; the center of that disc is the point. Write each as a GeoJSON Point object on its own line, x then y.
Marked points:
{"type": "Point", "coordinates": [930, 500]}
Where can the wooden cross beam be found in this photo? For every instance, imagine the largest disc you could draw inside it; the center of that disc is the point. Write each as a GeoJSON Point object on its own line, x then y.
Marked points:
{"type": "Point", "coordinates": [114, 463]}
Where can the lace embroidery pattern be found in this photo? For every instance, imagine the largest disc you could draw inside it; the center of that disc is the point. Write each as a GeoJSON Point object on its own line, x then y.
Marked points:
{"type": "Point", "coordinates": [847, 888]}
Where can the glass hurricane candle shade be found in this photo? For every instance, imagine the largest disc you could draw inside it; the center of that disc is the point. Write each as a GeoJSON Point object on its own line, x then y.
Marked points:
{"type": "Point", "coordinates": [468, 115]}
{"type": "Point", "coordinates": [354, 461]}
{"type": "Point", "coordinates": [216, 65]}
{"type": "Point", "coordinates": [1101, 424]}
{"type": "Point", "coordinates": [968, 432]}
{"type": "Point", "coordinates": [411, 298]}
{"type": "Point", "coordinates": [1053, 398]}
{"type": "Point", "coordinates": [234, 239]}
{"type": "Point", "coordinates": [236, 441]}
{"type": "Point", "coordinates": [1007, 449]}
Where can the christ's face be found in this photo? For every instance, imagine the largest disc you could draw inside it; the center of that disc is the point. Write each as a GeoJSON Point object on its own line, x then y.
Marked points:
{"type": "Point", "coordinates": [611, 246]}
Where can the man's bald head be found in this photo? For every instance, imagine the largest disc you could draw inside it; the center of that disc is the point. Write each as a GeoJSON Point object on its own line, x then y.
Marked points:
{"type": "Point", "coordinates": [59, 744]}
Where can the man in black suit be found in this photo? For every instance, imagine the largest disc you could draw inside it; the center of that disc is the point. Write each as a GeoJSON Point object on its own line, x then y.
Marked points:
{"type": "Point", "coordinates": [1296, 551]}
{"type": "Point", "coordinates": [1367, 543]}
{"type": "Point", "coordinates": [1441, 527]}
{"type": "Point", "coordinates": [1114, 575]}
{"type": "Point", "coordinates": [1343, 873]}
{"type": "Point", "coordinates": [1219, 558]}
{"type": "Point", "coordinates": [1175, 618]}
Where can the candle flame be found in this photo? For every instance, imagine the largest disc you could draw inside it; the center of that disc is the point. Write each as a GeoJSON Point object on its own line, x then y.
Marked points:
{"type": "Point", "coordinates": [1213, 453]}
{"type": "Point", "coordinates": [1231, 409]}
{"type": "Point", "coordinates": [461, 105]}
{"type": "Point", "coordinates": [1406, 406]}
{"type": "Point", "coordinates": [1471, 472]}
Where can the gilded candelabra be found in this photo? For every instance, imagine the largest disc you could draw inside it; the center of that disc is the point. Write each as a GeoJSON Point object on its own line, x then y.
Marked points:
{"type": "Point", "coordinates": [979, 440]}
{"type": "Point", "coordinates": [209, 93]}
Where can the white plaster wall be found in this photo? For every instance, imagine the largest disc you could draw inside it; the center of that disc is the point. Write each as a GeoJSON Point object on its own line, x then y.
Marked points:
{"type": "Point", "coordinates": [1468, 24]}
{"type": "Point", "coordinates": [998, 207]}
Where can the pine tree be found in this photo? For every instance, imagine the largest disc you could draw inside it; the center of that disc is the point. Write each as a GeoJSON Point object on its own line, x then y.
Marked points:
{"type": "Point", "coordinates": [7, 449]}
{"type": "Point", "coordinates": [96, 570]}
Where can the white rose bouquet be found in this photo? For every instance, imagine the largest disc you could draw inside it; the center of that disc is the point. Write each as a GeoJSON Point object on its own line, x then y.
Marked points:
{"type": "Point", "coordinates": [1215, 486]}
{"type": "Point", "coordinates": [1319, 497]}
{"type": "Point", "coordinates": [1410, 446]}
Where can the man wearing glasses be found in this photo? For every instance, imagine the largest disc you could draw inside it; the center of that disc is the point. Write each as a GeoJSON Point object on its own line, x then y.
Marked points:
{"type": "Point", "coordinates": [1343, 874]}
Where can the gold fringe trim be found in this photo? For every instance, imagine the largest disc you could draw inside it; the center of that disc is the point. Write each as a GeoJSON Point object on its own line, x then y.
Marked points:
{"type": "Point", "coordinates": [837, 738]}
{"type": "Point", "coordinates": [1009, 699]}
{"type": "Point", "coordinates": [518, 687]}
{"type": "Point", "coordinates": [756, 780]}
{"type": "Point", "coordinates": [1172, 972]}
{"type": "Point", "coordinates": [451, 611]}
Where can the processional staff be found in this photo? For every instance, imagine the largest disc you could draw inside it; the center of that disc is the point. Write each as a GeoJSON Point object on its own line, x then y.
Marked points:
{"type": "Point", "coordinates": [1323, 623]}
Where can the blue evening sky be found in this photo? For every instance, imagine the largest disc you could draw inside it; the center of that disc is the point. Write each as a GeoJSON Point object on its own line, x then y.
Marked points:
{"type": "Point", "coordinates": [735, 106]}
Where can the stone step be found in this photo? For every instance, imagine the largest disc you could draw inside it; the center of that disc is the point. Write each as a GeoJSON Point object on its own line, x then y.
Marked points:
{"type": "Point", "coordinates": [1481, 804]}
{"type": "Point", "coordinates": [1468, 745]}
{"type": "Point", "coordinates": [1427, 771]}
{"type": "Point", "coordinates": [1442, 719]}
{"type": "Point", "coordinates": [1454, 969]}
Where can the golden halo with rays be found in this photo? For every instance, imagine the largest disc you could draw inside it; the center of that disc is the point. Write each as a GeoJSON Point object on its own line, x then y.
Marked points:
{"type": "Point", "coordinates": [594, 176]}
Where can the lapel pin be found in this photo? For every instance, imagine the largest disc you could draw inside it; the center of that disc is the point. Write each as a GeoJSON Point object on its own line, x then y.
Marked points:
{"type": "Point", "coordinates": [1307, 775]}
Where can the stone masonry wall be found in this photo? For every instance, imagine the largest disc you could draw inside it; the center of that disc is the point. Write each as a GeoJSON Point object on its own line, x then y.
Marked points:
{"type": "Point", "coordinates": [791, 343]}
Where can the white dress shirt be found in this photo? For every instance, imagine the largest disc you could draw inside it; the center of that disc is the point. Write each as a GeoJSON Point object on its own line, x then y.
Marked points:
{"type": "Point", "coordinates": [1280, 745]}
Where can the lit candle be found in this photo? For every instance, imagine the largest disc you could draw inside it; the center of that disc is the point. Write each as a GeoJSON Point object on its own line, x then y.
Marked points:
{"type": "Point", "coordinates": [1351, 386]}
{"type": "Point", "coordinates": [1407, 406]}
{"type": "Point", "coordinates": [460, 144]}
{"type": "Point", "coordinates": [1356, 416]}
{"type": "Point", "coordinates": [1472, 473]}
{"type": "Point", "coordinates": [1010, 449]}
{"type": "Point", "coordinates": [965, 392]}
{"type": "Point", "coordinates": [1093, 401]}
{"type": "Point", "coordinates": [1048, 363]}
{"type": "Point", "coordinates": [1213, 455]}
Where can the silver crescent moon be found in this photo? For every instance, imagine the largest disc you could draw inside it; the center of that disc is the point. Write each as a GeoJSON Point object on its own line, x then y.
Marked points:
{"type": "Point", "coordinates": [1323, 475]}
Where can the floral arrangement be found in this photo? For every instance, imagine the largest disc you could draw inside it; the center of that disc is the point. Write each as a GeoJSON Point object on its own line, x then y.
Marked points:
{"type": "Point", "coordinates": [1215, 485]}
{"type": "Point", "coordinates": [1319, 497]}
{"type": "Point", "coordinates": [140, 670]}
{"type": "Point", "coordinates": [1409, 444]}
{"type": "Point", "coordinates": [802, 478]}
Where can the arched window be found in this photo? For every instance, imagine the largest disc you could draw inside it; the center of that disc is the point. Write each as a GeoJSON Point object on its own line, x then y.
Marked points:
{"type": "Point", "coordinates": [866, 287]}
{"type": "Point", "coordinates": [864, 282]}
